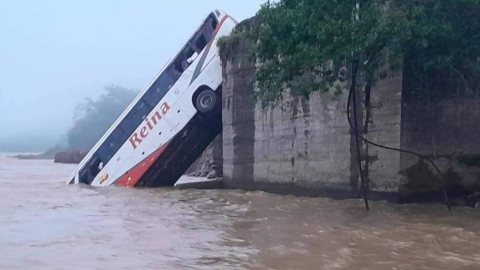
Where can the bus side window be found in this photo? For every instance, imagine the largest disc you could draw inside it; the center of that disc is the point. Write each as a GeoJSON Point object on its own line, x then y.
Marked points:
{"type": "Point", "coordinates": [190, 55]}
{"type": "Point", "coordinates": [174, 74]}
{"type": "Point", "coordinates": [135, 117]}
{"type": "Point", "coordinates": [214, 22]}
{"type": "Point", "coordinates": [205, 34]}
{"type": "Point", "coordinates": [91, 170]}
{"type": "Point", "coordinates": [177, 65]}
{"type": "Point", "coordinates": [184, 60]}
{"type": "Point", "coordinates": [158, 90]}
{"type": "Point", "coordinates": [201, 42]}
{"type": "Point", "coordinates": [111, 145]}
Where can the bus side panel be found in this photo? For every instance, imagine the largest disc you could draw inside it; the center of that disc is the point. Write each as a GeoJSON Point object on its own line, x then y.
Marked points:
{"type": "Point", "coordinates": [131, 177]}
{"type": "Point", "coordinates": [203, 79]}
{"type": "Point", "coordinates": [142, 142]}
{"type": "Point", "coordinates": [141, 152]}
{"type": "Point", "coordinates": [210, 68]}
{"type": "Point", "coordinates": [178, 118]}
{"type": "Point", "coordinates": [162, 133]}
{"type": "Point", "coordinates": [186, 101]}
{"type": "Point", "coordinates": [158, 136]}
{"type": "Point", "coordinates": [138, 150]}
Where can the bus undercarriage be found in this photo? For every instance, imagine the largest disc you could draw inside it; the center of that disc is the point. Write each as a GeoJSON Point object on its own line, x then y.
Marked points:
{"type": "Point", "coordinates": [183, 150]}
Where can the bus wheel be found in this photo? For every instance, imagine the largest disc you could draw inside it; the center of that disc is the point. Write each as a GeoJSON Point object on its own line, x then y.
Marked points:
{"type": "Point", "coordinates": [206, 101]}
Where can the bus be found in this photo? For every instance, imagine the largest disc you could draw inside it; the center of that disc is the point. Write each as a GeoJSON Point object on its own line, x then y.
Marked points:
{"type": "Point", "coordinates": [169, 124]}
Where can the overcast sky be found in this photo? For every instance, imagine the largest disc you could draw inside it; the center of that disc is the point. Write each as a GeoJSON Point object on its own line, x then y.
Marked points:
{"type": "Point", "coordinates": [54, 53]}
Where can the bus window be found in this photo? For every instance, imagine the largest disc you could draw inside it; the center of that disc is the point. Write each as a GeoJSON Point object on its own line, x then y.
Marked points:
{"type": "Point", "coordinates": [135, 117]}
{"type": "Point", "coordinates": [184, 60]}
{"type": "Point", "coordinates": [90, 171]}
{"type": "Point", "coordinates": [111, 145]}
{"type": "Point", "coordinates": [174, 74]}
{"type": "Point", "coordinates": [201, 42]}
{"type": "Point", "coordinates": [159, 88]}
{"type": "Point", "coordinates": [190, 55]}
{"type": "Point", "coordinates": [205, 34]}
{"type": "Point", "coordinates": [177, 65]}
{"type": "Point", "coordinates": [213, 22]}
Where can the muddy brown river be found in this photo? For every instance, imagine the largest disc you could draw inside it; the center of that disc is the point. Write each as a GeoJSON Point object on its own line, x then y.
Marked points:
{"type": "Point", "coordinates": [45, 224]}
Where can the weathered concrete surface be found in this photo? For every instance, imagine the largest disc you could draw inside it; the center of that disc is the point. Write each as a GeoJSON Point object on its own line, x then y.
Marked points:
{"type": "Point", "coordinates": [238, 118]}
{"type": "Point", "coordinates": [304, 143]}
{"type": "Point", "coordinates": [306, 146]}
{"type": "Point", "coordinates": [385, 129]}
{"type": "Point", "coordinates": [303, 146]}
{"type": "Point", "coordinates": [442, 124]}
{"type": "Point", "coordinates": [446, 131]}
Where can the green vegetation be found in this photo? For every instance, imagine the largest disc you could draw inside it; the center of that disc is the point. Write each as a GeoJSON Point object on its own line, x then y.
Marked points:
{"type": "Point", "coordinates": [311, 45]}
{"type": "Point", "coordinates": [94, 117]}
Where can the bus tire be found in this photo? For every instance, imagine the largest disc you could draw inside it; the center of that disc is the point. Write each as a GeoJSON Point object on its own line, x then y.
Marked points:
{"type": "Point", "coordinates": [206, 101]}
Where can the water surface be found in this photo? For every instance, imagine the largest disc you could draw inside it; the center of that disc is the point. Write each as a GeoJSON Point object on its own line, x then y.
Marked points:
{"type": "Point", "coordinates": [45, 224]}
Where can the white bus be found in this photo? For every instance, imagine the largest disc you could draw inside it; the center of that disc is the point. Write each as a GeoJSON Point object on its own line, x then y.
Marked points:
{"type": "Point", "coordinates": [169, 124]}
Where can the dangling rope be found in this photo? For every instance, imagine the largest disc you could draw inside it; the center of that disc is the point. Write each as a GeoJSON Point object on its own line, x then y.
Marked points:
{"type": "Point", "coordinates": [354, 128]}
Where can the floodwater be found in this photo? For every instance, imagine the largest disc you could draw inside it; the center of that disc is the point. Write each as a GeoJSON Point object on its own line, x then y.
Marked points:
{"type": "Point", "coordinates": [45, 224]}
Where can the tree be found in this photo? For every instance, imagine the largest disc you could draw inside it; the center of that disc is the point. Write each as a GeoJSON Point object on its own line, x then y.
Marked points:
{"type": "Point", "coordinates": [308, 45]}
{"type": "Point", "coordinates": [441, 47]}
{"type": "Point", "coordinates": [93, 118]}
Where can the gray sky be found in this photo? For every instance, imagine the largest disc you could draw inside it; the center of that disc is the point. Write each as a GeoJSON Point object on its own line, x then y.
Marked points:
{"type": "Point", "coordinates": [54, 53]}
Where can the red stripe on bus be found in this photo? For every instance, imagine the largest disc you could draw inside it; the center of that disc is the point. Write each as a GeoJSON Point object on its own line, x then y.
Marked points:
{"type": "Point", "coordinates": [131, 178]}
{"type": "Point", "coordinates": [219, 26]}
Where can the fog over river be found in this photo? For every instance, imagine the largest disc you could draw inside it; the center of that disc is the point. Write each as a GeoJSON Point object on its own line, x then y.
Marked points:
{"type": "Point", "coordinates": [45, 224]}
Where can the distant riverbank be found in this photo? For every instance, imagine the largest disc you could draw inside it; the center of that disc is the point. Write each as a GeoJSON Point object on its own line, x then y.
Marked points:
{"type": "Point", "coordinates": [58, 156]}
{"type": "Point", "coordinates": [32, 156]}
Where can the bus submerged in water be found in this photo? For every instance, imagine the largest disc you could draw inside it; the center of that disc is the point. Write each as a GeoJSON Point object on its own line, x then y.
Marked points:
{"type": "Point", "coordinates": [169, 124]}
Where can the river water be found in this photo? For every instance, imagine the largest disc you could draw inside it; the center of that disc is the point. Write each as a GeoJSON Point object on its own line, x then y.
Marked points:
{"type": "Point", "coordinates": [45, 224]}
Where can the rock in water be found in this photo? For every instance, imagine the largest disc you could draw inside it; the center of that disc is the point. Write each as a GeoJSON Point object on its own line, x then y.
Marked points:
{"type": "Point", "coordinates": [70, 157]}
